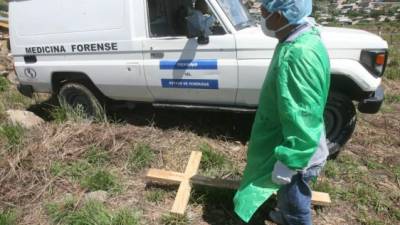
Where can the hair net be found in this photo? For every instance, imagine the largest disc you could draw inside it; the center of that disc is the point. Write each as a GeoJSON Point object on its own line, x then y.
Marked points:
{"type": "Point", "coordinates": [295, 11]}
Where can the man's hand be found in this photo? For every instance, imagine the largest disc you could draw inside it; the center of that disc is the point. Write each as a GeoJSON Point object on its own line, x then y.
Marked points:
{"type": "Point", "coordinates": [282, 174]}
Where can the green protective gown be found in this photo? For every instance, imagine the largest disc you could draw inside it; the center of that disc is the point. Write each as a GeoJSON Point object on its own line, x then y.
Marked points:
{"type": "Point", "coordinates": [289, 119]}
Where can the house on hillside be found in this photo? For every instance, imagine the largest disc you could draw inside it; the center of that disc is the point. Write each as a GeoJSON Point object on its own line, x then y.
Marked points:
{"type": "Point", "coordinates": [345, 20]}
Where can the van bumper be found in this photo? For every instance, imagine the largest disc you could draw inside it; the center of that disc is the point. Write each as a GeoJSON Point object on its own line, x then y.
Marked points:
{"type": "Point", "coordinates": [26, 90]}
{"type": "Point", "coordinates": [372, 104]}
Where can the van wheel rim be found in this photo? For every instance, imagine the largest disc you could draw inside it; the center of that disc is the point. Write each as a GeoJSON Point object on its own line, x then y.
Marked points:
{"type": "Point", "coordinates": [76, 100]}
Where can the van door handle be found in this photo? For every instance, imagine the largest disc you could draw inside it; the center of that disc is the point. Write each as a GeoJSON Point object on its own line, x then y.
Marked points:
{"type": "Point", "coordinates": [157, 55]}
{"type": "Point", "coordinates": [30, 59]}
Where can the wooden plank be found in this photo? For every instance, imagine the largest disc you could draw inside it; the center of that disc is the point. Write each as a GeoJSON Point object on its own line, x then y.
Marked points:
{"type": "Point", "coordinates": [183, 195]}
{"type": "Point", "coordinates": [215, 182]}
{"type": "Point", "coordinates": [193, 164]}
{"type": "Point", "coordinates": [182, 198]}
{"type": "Point", "coordinates": [318, 198]}
{"type": "Point", "coordinates": [164, 176]}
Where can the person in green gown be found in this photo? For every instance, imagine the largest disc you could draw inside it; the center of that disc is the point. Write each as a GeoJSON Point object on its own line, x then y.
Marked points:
{"type": "Point", "coordinates": [287, 146]}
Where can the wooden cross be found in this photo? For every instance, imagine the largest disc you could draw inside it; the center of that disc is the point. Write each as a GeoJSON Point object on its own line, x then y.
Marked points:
{"type": "Point", "coordinates": [185, 181]}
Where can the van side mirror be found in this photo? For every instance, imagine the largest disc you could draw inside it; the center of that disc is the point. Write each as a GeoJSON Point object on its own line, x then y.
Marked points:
{"type": "Point", "coordinates": [203, 40]}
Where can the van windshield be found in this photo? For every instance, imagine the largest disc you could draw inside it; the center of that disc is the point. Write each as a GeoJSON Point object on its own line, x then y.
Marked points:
{"type": "Point", "coordinates": [236, 13]}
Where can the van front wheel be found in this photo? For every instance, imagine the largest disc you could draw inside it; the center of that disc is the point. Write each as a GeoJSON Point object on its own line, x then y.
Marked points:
{"type": "Point", "coordinates": [80, 99]}
{"type": "Point", "coordinates": [340, 121]}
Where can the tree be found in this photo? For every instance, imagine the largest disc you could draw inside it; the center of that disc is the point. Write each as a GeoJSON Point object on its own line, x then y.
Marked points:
{"type": "Point", "coordinates": [3, 5]}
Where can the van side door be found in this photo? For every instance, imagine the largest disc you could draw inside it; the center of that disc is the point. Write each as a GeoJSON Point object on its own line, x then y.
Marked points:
{"type": "Point", "coordinates": [177, 68]}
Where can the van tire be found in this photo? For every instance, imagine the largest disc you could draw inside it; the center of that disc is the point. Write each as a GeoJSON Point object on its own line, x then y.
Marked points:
{"type": "Point", "coordinates": [75, 94]}
{"type": "Point", "coordinates": [340, 121]}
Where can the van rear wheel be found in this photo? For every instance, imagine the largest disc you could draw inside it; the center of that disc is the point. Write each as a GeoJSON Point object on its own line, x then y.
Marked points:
{"type": "Point", "coordinates": [340, 121]}
{"type": "Point", "coordinates": [79, 97]}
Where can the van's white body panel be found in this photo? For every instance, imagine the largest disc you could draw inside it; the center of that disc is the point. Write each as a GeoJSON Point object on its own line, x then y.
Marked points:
{"type": "Point", "coordinates": [109, 41]}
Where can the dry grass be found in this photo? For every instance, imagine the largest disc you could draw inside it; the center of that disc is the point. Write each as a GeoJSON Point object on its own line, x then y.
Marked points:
{"type": "Point", "coordinates": [28, 178]}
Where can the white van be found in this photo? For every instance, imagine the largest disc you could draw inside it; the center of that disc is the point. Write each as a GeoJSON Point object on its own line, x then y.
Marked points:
{"type": "Point", "coordinates": [90, 51]}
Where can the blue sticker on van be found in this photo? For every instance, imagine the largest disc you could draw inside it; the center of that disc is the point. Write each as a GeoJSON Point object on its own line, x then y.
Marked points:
{"type": "Point", "coordinates": [190, 83]}
{"type": "Point", "coordinates": [203, 64]}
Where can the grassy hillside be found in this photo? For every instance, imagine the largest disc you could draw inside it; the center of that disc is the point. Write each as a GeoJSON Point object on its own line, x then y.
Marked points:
{"type": "Point", "coordinates": [46, 172]}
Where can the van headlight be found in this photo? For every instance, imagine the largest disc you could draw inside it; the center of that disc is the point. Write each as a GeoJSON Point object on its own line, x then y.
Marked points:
{"type": "Point", "coordinates": [374, 60]}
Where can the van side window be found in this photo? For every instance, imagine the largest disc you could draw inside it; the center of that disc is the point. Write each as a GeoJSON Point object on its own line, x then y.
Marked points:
{"type": "Point", "coordinates": [170, 18]}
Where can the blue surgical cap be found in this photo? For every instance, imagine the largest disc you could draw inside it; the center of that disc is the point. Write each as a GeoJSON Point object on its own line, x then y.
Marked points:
{"type": "Point", "coordinates": [295, 11]}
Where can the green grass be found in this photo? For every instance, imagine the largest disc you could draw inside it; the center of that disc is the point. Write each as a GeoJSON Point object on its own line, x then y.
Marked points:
{"type": "Point", "coordinates": [367, 196]}
{"type": "Point", "coordinates": [58, 213]}
{"type": "Point", "coordinates": [349, 168]}
{"type": "Point", "coordinates": [15, 100]}
{"type": "Point", "coordinates": [390, 98]}
{"type": "Point", "coordinates": [365, 218]}
{"type": "Point", "coordinates": [13, 134]}
{"type": "Point", "coordinates": [140, 157]}
{"type": "Point", "coordinates": [396, 171]}
{"type": "Point", "coordinates": [126, 217]}
{"type": "Point", "coordinates": [97, 156]}
{"type": "Point", "coordinates": [65, 112]}
{"type": "Point", "coordinates": [90, 213]}
{"type": "Point", "coordinates": [352, 180]}
{"type": "Point", "coordinates": [56, 168]}
{"type": "Point", "coordinates": [100, 180]}
{"type": "Point", "coordinates": [59, 114]}
{"type": "Point", "coordinates": [211, 159]}
{"type": "Point", "coordinates": [325, 186]}
{"type": "Point", "coordinates": [4, 84]}
{"type": "Point", "coordinates": [89, 176]}
{"type": "Point", "coordinates": [331, 170]}
{"type": "Point", "coordinates": [214, 163]}
{"type": "Point", "coordinates": [372, 165]}
{"type": "Point", "coordinates": [393, 68]}
{"type": "Point", "coordinates": [10, 98]}
{"type": "Point", "coordinates": [77, 170]}
{"type": "Point", "coordinates": [155, 195]}
{"type": "Point", "coordinates": [8, 217]}
{"type": "Point", "coordinates": [173, 219]}
{"type": "Point", "coordinates": [395, 213]}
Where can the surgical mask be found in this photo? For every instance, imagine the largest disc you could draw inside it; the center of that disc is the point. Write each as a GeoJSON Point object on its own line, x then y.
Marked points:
{"type": "Point", "coordinates": [268, 32]}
